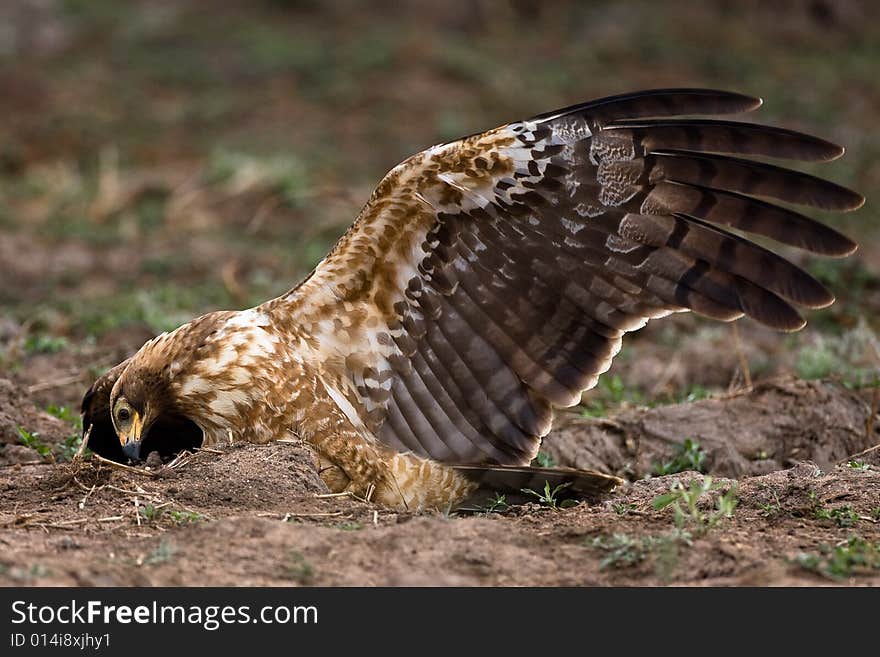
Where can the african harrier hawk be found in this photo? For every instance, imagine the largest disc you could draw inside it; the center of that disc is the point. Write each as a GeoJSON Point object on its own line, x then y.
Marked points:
{"type": "Point", "coordinates": [486, 282]}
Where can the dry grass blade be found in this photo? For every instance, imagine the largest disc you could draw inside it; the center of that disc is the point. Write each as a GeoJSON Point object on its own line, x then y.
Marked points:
{"type": "Point", "coordinates": [181, 460]}
{"type": "Point", "coordinates": [46, 526]}
{"type": "Point", "coordinates": [741, 356]}
{"type": "Point", "coordinates": [864, 452]}
{"type": "Point", "coordinates": [345, 493]}
{"type": "Point", "coordinates": [83, 444]}
{"type": "Point", "coordinates": [329, 514]}
{"type": "Point", "coordinates": [55, 383]}
{"type": "Point", "coordinates": [127, 468]}
{"type": "Point", "coordinates": [82, 503]}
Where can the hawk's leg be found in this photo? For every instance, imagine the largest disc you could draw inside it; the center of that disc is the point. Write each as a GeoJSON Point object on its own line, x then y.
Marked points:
{"type": "Point", "coordinates": [351, 459]}
{"type": "Point", "coordinates": [332, 475]}
{"type": "Point", "coordinates": [348, 458]}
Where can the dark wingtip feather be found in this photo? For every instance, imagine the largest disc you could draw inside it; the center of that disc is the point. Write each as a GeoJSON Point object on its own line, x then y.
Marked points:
{"type": "Point", "coordinates": [768, 308]}
{"type": "Point", "coordinates": [835, 151]}
{"type": "Point", "coordinates": [720, 136]}
{"type": "Point", "coordinates": [756, 179]}
{"type": "Point", "coordinates": [856, 200]}
{"type": "Point", "coordinates": [840, 247]}
{"type": "Point", "coordinates": [660, 102]}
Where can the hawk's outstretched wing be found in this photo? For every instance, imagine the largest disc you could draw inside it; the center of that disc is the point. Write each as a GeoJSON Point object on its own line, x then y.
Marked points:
{"type": "Point", "coordinates": [490, 279]}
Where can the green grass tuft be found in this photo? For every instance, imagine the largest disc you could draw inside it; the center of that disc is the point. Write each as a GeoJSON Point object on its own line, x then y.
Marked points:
{"type": "Point", "coordinates": [689, 456]}
{"type": "Point", "coordinates": [856, 556]}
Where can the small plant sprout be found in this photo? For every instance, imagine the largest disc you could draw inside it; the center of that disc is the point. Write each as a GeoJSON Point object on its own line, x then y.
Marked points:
{"type": "Point", "coordinates": [622, 550]}
{"type": "Point", "coordinates": [770, 509]}
{"type": "Point", "coordinates": [32, 440]}
{"type": "Point", "coordinates": [550, 498]}
{"type": "Point", "coordinates": [185, 517]}
{"type": "Point", "coordinates": [68, 449]}
{"type": "Point", "coordinates": [350, 525]}
{"type": "Point", "coordinates": [497, 504]}
{"type": "Point", "coordinates": [150, 512]}
{"type": "Point", "coordinates": [298, 568]}
{"type": "Point", "coordinates": [161, 554]}
{"type": "Point", "coordinates": [685, 504]}
{"type": "Point", "coordinates": [696, 393]}
{"type": "Point", "coordinates": [856, 464]}
{"type": "Point", "coordinates": [66, 414]}
{"type": "Point", "coordinates": [843, 516]}
{"type": "Point", "coordinates": [855, 556]}
{"type": "Point", "coordinates": [622, 509]}
{"type": "Point", "coordinates": [44, 344]}
{"type": "Point", "coordinates": [689, 456]}
{"type": "Point", "coordinates": [544, 460]}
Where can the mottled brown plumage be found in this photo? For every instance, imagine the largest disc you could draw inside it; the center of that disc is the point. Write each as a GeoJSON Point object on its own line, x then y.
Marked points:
{"type": "Point", "coordinates": [486, 282]}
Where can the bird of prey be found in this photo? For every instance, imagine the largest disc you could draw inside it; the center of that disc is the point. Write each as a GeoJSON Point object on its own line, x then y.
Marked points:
{"type": "Point", "coordinates": [486, 282]}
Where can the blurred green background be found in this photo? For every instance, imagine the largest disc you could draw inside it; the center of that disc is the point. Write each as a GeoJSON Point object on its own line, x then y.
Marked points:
{"type": "Point", "coordinates": [163, 158]}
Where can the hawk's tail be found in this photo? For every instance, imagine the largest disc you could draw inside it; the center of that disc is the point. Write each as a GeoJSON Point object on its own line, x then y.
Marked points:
{"type": "Point", "coordinates": [516, 482]}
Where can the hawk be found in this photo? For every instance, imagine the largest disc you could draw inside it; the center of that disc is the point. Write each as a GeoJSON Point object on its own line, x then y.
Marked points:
{"type": "Point", "coordinates": [486, 282]}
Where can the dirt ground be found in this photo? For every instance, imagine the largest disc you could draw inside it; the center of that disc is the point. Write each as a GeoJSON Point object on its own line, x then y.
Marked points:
{"type": "Point", "coordinates": [259, 515]}
{"type": "Point", "coordinates": [158, 162]}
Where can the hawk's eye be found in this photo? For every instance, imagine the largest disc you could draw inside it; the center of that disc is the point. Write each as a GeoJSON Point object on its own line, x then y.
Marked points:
{"type": "Point", "coordinates": [123, 414]}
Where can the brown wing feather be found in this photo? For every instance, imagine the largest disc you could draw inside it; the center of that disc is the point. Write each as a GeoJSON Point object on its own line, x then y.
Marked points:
{"type": "Point", "coordinates": [490, 279]}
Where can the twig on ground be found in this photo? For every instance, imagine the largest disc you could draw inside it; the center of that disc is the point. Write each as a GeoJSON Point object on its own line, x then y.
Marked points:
{"type": "Point", "coordinates": [665, 377]}
{"type": "Point", "coordinates": [186, 508]}
{"type": "Point", "coordinates": [858, 454]}
{"type": "Point", "coordinates": [82, 446]}
{"type": "Point", "coordinates": [183, 459]}
{"type": "Point", "coordinates": [122, 490]}
{"type": "Point", "coordinates": [61, 524]}
{"type": "Point", "coordinates": [740, 354]}
{"type": "Point", "coordinates": [127, 468]}
{"type": "Point", "coordinates": [82, 503]}
{"type": "Point", "coordinates": [54, 383]}
{"type": "Point", "coordinates": [287, 516]}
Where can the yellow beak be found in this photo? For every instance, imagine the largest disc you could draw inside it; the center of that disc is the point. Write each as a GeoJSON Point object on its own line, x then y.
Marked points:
{"type": "Point", "coordinates": [131, 442]}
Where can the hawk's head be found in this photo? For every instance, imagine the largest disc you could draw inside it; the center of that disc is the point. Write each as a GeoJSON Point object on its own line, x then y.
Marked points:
{"type": "Point", "coordinates": [146, 414]}
{"type": "Point", "coordinates": [148, 403]}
